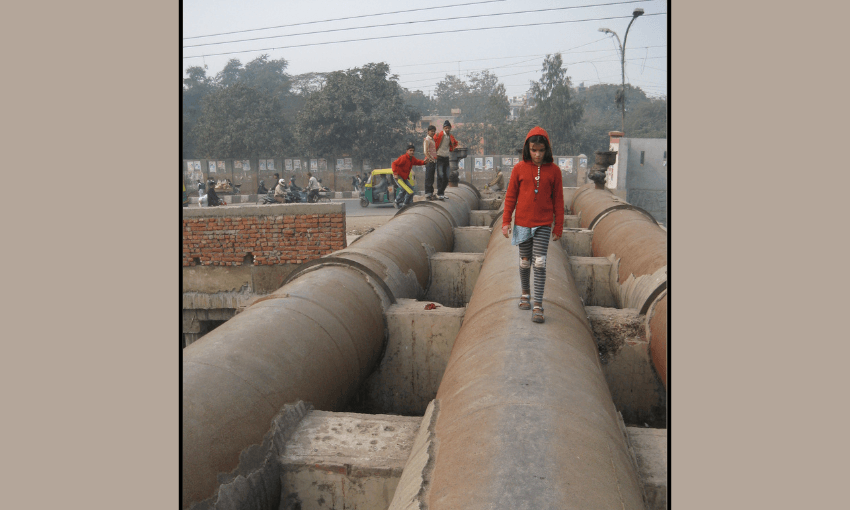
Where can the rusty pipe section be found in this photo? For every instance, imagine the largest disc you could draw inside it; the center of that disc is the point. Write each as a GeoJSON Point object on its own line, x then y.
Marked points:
{"type": "Point", "coordinates": [525, 418]}
{"type": "Point", "coordinates": [315, 339]}
{"type": "Point", "coordinates": [634, 237]}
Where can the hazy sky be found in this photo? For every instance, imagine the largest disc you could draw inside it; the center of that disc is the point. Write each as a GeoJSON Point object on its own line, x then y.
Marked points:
{"type": "Point", "coordinates": [514, 52]}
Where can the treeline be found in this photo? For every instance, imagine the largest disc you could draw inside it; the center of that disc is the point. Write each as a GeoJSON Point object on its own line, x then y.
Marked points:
{"type": "Point", "coordinates": [258, 109]}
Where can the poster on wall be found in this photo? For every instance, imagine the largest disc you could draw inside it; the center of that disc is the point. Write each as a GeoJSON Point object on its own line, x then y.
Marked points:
{"type": "Point", "coordinates": [212, 167]}
{"type": "Point", "coordinates": [323, 164]}
{"type": "Point", "coordinates": [297, 163]}
{"type": "Point", "coordinates": [488, 163]}
{"type": "Point", "coordinates": [348, 163]}
{"type": "Point", "coordinates": [461, 165]}
{"type": "Point", "coordinates": [340, 164]}
{"type": "Point", "coordinates": [237, 165]}
{"type": "Point", "coordinates": [287, 164]}
{"type": "Point", "coordinates": [562, 163]}
{"type": "Point", "coordinates": [246, 165]}
{"type": "Point", "coordinates": [198, 166]}
{"type": "Point", "coordinates": [367, 165]}
{"type": "Point", "coordinates": [221, 166]}
{"type": "Point", "coordinates": [582, 162]}
{"type": "Point", "coordinates": [269, 164]}
{"type": "Point", "coordinates": [516, 160]}
{"type": "Point", "coordinates": [314, 164]}
{"type": "Point", "coordinates": [262, 165]}
{"type": "Point", "coordinates": [479, 163]}
{"type": "Point", "coordinates": [569, 165]}
{"type": "Point", "coordinates": [506, 161]}
{"type": "Point", "coordinates": [190, 166]}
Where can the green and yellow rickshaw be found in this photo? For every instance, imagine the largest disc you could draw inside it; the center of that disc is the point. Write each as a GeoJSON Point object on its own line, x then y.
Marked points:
{"type": "Point", "coordinates": [376, 189]}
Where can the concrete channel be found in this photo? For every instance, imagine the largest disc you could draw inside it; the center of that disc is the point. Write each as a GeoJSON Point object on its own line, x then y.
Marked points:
{"type": "Point", "coordinates": [520, 414]}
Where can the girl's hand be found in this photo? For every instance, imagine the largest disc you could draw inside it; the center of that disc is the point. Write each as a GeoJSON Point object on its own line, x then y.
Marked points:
{"type": "Point", "coordinates": [506, 230]}
{"type": "Point", "coordinates": [555, 237]}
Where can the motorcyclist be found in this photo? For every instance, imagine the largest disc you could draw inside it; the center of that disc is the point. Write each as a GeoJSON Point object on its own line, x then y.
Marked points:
{"type": "Point", "coordinates": [261, 189]}
{"type": "Point", "coordinates": [280, 192]}
{"type": "Point", "coordinates": [292, 185]}
{"type": "Point", "coordinates": [211, 199]}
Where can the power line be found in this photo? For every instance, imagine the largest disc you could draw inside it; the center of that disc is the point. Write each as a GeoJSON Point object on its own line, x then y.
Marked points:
{"type": "Point", "coordinates": [455, 18]}
{"type": "Point", "coordinates": [346, 18]}
{"type": "Point", "coordinates": [412, 35]}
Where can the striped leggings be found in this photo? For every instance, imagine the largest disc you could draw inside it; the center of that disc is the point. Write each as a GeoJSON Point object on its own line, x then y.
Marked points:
{"type": "Point", "coordinates": [534, 250]}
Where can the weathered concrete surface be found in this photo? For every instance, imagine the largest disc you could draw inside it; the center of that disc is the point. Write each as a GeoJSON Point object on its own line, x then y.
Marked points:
{"type": "Point", "coordinates": [571, 220]}
{"type": "Point", "coordinates": [482, 218]}
{"type": "Point", "coordinates": [345, 460]}
{"type": "Point", "coordinates": [256, 481]}
{"type": "Point", "coordinates": [419, 343]}
{"type": "Point", "coordinates": [254, 279]}
{"type": "Point", "coordinates": [265, 210]}
{"type": "Point", "coordinates": [593, 280]}
{"type": "Point", "coordinates": [471, 239]}
{"type": "Point", "coordinates": [650, 449]}
{"type": "Point", "coordinates": [624, 353]}
{"type": "Point", "coordinates": [453, 276]}
{"type": "Point", "coordinates": [490, 203]}
{"type": "Point", "coordinates": [577, 242]}
{"type": "Point", "coordinates": [409, 494]}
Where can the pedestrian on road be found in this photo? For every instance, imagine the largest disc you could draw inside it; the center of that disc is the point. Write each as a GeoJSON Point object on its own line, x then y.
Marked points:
{"type": "Point", "coordinates": [445, 145]}
{"type": "Point", "coordinates": [536, 192]}
{"type": "Point", "coordinates": [498, 182]}
{"type": "Point", "coordinates": [401, 174]}
{"type": "Point", "coordinates": [430, 150]}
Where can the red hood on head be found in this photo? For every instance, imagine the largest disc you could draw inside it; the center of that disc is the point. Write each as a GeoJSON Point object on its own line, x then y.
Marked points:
{"type": "Point", "coordinates": [537, 130]}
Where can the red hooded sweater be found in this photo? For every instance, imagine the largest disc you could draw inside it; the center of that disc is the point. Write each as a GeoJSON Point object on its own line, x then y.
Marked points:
{"type": "Point", "coordinates": [547, 205]}
{"type": "Point", "coordinates": [439, 137]}
{"type": "Point", "coordinates": [403, 164]}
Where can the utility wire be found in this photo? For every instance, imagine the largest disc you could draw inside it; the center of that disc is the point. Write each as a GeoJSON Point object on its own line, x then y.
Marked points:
{"type": "Point", "coordinates": [455, 18]}
{"type": "Point", "coordinates": [421, 33]}
{"type": "Point", "coordinates": [346, 18]}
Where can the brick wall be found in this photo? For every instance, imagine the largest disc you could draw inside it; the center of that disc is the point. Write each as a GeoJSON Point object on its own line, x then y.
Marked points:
{"type": "Point", "coordinates": [272, 234]}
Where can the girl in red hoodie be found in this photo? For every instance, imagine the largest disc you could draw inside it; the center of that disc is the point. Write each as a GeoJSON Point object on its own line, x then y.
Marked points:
{"type": "Point", "coordinates": [536, 192]}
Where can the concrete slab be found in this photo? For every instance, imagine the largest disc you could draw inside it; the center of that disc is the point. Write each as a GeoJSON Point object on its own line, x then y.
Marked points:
{"type": "Point", "coordinates": [650, 449]}
{"type": "Point", "coordinates": [593, 280]}
{"type": "Point", "coordinates": [471, 239]}
{"type": "Point", "coordinates": [636, 390]}
{"type": "Point", "coordinates": [453, 276]}
{"type": "Point", "coordinates": [577, 242]}
{"type": "Point", "coordinates": [345, 460]}
{"type": "Point", "coordinates": [571, 220]}
{"type": "Point", "coordinates": [482, 218]}
{"type": "Point", "coordinates": [419, 343]}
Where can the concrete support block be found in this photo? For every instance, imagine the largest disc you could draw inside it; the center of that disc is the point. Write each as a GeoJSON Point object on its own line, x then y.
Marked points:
{"type": "Point", "coordinates": [482, 218]}
{"type": "Point", "coordinates": [419, 343]}
{"type": "Point", "coordinates": [577, 242]}
{"type": "Point", "coordinates": [568, 197]}
{"type": "Point", "coordinates": [345, 460]}
{"type": "Point", "coordinates": [571, 220]}
{"type": "Point", "coordinates": [593, 280]}
{"type": "Point", "coordinates": [635, 388]}
{"type": "Point", "coordinates": [490, 203]}
{"type": "Point", "coordinates": [453, 276]}
{"type": "Point", "coordinates": [650, 450]}
{"type": "Point", "coordinates": [410, 492]}
{"type": "Point", "coordinates": [471, 239]}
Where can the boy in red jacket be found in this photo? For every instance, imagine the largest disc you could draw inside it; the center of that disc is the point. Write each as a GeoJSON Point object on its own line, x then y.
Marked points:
{"type": "Point", "coordinates": [401, 174]}
{"type": "Point", "coordinates": [536, 191]}
{"type": "Point", "coordinates": [445, 145]}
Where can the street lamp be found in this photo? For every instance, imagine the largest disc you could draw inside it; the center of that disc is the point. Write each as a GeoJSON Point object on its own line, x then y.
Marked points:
{"type": "Point", "coordinates": [638, 12]}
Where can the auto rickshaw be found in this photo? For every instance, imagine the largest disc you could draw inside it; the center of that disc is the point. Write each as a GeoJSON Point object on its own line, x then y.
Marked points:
{"type": "Point", "coordinates": [376, 189]}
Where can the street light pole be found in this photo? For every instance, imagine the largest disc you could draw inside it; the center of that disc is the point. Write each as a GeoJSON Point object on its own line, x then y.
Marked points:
{"type": "Point", "coordinates": [637, 12]}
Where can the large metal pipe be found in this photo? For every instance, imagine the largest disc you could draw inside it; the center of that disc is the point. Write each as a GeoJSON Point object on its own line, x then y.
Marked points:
{"type": "Point", "coordinates": [525, 418]}
{"type": "Point", "coordinates": [633, 236]}
{"type": "Point", "coordinates": [315, 339]}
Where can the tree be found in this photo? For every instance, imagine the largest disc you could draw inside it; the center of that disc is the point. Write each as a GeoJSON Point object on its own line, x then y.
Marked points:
{"type": "Point", "coordinates": [196, 86]}
{"type": "Point", "coordinates": [418, 102]}
{"type": "Point", "coordinates": [360, 112]}
{"type": "Point", "coordinates": [648, 120]}
{"type": "Point", "coordinates": [241, 122]}
{"type": "Point", "coordinates": [230, 74]}
{"type": "Point", "coordinates": [268, 76]}
{"type": "Point", "coordinates": [555, 108]}
{"type": "Point", "coordinates": [450, 93]}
